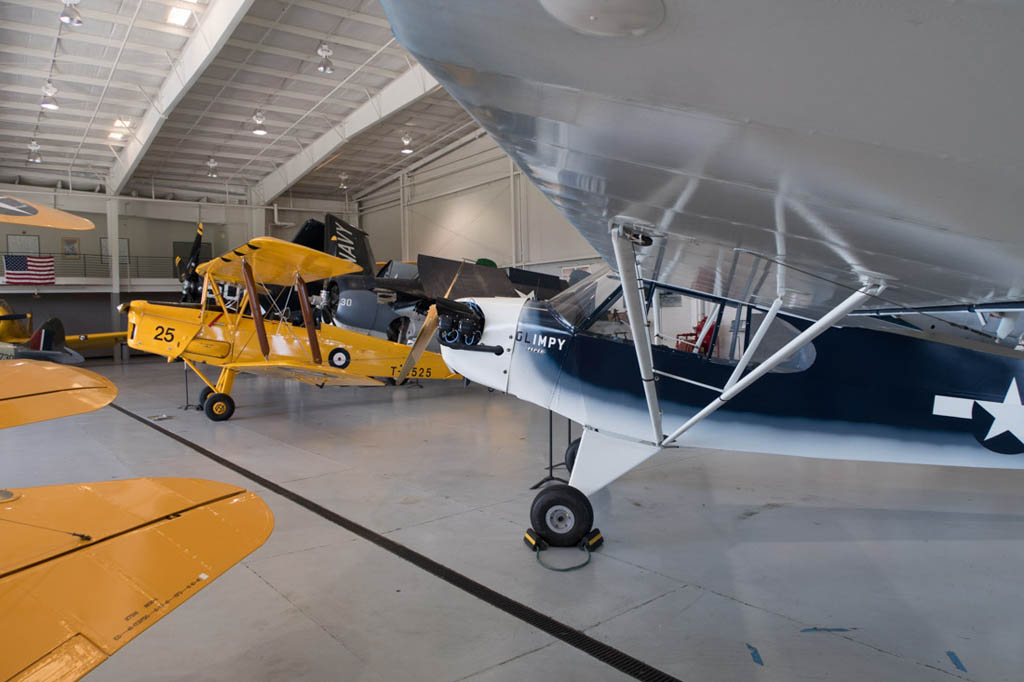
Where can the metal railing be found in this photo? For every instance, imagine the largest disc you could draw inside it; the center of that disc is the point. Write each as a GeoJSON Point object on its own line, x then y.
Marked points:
{"type": "Point", "coordinates": [94, 265]}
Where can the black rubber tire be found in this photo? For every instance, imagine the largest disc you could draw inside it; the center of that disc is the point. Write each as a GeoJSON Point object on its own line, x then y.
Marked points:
{"type": "Point", "coordinates": [204, 394]}
{"type": "Point", "coordinates": [219, 407]}
{"type": "Point", "coordinates": [570, 454]}
{"type": "Point", "coordinates": [552, 503]}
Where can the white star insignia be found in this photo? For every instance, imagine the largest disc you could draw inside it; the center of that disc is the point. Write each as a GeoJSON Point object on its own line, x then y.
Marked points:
{"type": "Point", "coordinates": [1007, 416]}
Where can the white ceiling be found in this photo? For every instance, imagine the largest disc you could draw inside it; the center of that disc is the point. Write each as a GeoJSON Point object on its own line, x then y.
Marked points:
{"type": "Point", "coordinates": [267, 61]}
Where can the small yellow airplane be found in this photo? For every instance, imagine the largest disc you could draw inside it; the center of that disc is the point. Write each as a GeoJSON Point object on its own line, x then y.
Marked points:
{"type": "Point", "coordinates": [18, 338]}
{"type": "Point", "coordinates": [87, 567]}
{"type": "Point", "coordinates": [236, 334]}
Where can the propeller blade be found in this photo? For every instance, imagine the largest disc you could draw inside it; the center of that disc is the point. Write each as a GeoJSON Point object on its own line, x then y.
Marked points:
{"type": "Point", "coordinates": [420, 345]}
{"type": "Point", "coordinates": [426, 331]}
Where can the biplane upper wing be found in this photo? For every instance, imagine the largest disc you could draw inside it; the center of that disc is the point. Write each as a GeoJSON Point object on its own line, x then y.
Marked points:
{"type": "Point", "coordinates": [33, 391]}
{"type": "Point", "coordinates": [756, 184]}
{"type": "Point", "coordinates": [21, 212]}
{"type": "Point", "coordinates": [275, 263]}
{"type": "Point", "coordinates": [86, 567]}
{"type": "Point", "coordinates": [318, 375]}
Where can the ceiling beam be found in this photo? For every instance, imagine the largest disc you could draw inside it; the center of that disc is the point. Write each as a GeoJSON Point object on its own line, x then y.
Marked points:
{"type": "Point", "coordinates": [87, 38]}
{"type": "Point", "coordinates": [208, 37]}
{"type": "Point", "coordinates": [401, 92]}
{"type": "Point", "coordinates": [91, 13]}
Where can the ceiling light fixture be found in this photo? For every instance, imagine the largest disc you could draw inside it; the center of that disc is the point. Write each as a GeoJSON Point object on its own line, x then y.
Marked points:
{"type": "Point", "coordinates": [325, 65]}
{"type": "Point", "coordinates": [123, 122]}
{"type": "Point", "coordinates": [33, 152]}
{"type": "Point", "coordinates": [70, 14]}
{"type": "Point", "coordinates": [49, 103]}
{"type": "Point", "coordinates": [211, 168]}
{"type": "Point", "coordinates": [259, 117]}
{"type": "Point", "coordinates": [406, 141]}
{"type": "Point", "coordinates": [344, 181]}
{"type": "Point", "coordinates": [178, 16]}
{"type": "Point", "coordinates": [115, 136]}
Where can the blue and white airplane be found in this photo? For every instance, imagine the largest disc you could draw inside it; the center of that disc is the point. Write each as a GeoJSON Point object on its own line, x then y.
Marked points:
{"type": "Point", "coordinates": [811, 216]}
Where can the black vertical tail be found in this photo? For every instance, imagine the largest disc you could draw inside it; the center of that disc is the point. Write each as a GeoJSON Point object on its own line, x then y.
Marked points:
{"type": "Point", "coordinates": [349, 243]}
{"type": "Point", "coordinates": [50, 336]}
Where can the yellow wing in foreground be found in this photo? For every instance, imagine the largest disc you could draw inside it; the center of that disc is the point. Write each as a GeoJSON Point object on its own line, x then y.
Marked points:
{"type": "Point", "coordinates": [21, 212]}
{"type": "Point", "coordinates": [34, 391]}
{"type": "Point", "coordinates": [86, 567]}
{"type": "Point", "coordinates": [275, 262]}
{"type": "Point", "coordinates": [318, 375]}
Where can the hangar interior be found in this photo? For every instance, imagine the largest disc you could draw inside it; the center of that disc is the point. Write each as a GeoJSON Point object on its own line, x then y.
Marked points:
{"type": "Point", "coordinates": [398, 511]}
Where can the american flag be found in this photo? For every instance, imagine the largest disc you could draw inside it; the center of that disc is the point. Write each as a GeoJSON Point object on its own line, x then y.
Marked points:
{"type": "Point", "coordinates": [28, 269]}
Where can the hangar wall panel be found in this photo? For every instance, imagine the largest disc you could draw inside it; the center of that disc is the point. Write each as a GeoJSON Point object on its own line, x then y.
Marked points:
{"type": "Point", "coordinates": [472, 203]}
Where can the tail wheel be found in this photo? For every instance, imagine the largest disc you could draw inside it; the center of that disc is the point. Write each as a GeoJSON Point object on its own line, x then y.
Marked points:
{"type": "Point", "coordinates": [561, 515]}
{"type": "Point", "coordinates": [204, 394]}
{"type": "Point", "coordinates": [219, 407]}
{"type": "Point", "coordinates": [570, 454]}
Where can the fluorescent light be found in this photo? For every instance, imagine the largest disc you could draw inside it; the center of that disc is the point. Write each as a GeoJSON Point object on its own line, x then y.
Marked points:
{"type": "Point", "coordinates": [70, 14]}
{"type": "Point", "coordinates": [178, 16]}
{"type": "Point", "coordinates": [49, 103]}
{"type": "Point", "coordinates": [123, 122]}
{"type": "Point", "coordinates": [116, 136]}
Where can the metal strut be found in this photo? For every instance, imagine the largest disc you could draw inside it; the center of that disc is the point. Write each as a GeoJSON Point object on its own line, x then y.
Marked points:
{"type": "Point", "coordinates": [736, 385]}
{"type": "Point", "coordinates": [622, 241]}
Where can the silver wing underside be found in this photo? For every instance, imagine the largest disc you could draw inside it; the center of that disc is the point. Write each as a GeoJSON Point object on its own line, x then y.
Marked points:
{"type": "Point", "coordinates": [792, 148]}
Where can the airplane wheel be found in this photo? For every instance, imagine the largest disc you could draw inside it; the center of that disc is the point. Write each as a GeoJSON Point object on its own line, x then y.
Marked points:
{"type": "Point", "coordinates": [561, 515]}
{"type": "Point", "coordinates": [219, 407]}
{"type": "Point", "coordinates": [570, 454]}
{"type": "Point", "coordinates": [204, 394]}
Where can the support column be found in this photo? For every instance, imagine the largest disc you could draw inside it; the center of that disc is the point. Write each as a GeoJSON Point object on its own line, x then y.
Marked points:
{"type": "Point", "coordinates": [113, 205]}
{"type": "Point", "coordinates": [257, 222]}
{"type": "Point", "coordinates": [402, 200]}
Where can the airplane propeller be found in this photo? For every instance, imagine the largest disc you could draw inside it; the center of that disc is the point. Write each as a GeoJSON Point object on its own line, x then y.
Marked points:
{"type": "Point", "coordinates": [190, 281]}
{"type": "Point", "coordinates": [425, 334]}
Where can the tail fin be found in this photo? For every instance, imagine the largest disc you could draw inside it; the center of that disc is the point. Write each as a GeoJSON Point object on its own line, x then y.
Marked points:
{"type": "Point", "coordinates": [311, 235]}
{"type": "Point", "coordinates": [350, 243]}
{"type": "Point", "coordinates": [50, 336]}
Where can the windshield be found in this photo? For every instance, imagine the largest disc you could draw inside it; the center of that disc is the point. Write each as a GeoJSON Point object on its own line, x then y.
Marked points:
{"type": "Point", "coordinates": [577, 302]}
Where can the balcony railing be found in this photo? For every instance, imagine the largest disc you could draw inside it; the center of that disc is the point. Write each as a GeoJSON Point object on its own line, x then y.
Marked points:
{"type": "Point", "coordinates": [90, 265]}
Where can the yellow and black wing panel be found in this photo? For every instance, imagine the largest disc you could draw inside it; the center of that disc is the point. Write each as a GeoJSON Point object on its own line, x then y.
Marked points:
{"type": "Point", "coordinates": [318, 375]}
{"type": "Point", "coordinates": [276, 262]}
{"type": "Point", "coordinates": [34, 391]}
{"type": "Point", "coordinates": [21, 212]}
{"type": "Point", "coordinates": [86, 567]}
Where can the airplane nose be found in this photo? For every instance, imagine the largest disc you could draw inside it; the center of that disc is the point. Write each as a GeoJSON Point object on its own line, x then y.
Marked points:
{"type": "Point", "coordinates": [477, 335]}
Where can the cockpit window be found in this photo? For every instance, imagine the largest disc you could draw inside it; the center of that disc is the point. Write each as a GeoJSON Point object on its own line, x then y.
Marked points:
{"type": "Point", "coordinates": [579, 301]}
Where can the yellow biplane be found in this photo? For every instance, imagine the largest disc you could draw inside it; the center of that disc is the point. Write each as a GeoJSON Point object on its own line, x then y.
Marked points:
{"type": "Point", "coordinates": [87, 567]}
{"type": "Point", "coordinates": [238, 335]}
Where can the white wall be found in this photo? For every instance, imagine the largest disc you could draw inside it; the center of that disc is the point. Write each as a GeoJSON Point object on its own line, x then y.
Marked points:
{"type": "Point", "coordinates": [471, 203]}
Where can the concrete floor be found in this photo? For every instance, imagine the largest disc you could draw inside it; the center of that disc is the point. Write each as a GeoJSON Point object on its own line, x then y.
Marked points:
{"type": "Point", "coordinates": [710, 555]}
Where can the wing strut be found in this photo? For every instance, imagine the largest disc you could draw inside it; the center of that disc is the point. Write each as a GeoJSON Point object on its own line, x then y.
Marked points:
{"type": "Point", "coordinates": [307, 319]}
{"type": "Point", "coordinates": [623, 239]}
{"type": "Point", "coordinates": [254, 305]}
{"type": "Point", "coordinates": [736, 385]}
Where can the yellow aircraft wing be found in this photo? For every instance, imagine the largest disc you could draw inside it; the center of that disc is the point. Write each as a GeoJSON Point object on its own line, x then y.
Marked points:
{"type": "Point", "coordinates": [303, 371]}
{"type": "Point", "coordinates": [101, 340]}
{"type": "Point", "coordinates": [276, 262]}
{"type": "Point", "coordinates": [21, 212]}
{"type": "Point", "coordinates": [34, 391]}
{"type": "Point", "coordinates": [86, 567]}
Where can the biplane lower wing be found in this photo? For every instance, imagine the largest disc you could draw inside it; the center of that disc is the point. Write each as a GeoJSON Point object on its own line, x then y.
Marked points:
{"type": "Point", "coordinates": [34, 391]}
{"type": "Point", "coordinates": [318, 376]}
{"type": "Point", "coordinates": [86, 567]}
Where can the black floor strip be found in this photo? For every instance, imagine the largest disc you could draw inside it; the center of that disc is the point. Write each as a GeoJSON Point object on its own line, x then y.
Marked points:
{"type": "Point", "coordinates": [571, 636]}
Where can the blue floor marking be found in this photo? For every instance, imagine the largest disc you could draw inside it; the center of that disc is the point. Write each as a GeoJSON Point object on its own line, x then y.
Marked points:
{"type": "Point", "coordinates": [956, 660]}
{"type": "Point", "coordinates": [754, 654]}
{"type": "Point", "coordinates": [827, 629]}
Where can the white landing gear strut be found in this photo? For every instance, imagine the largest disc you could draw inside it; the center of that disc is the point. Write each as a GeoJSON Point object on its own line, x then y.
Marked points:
{"type": "Point", "coordinates": [603, 457]}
